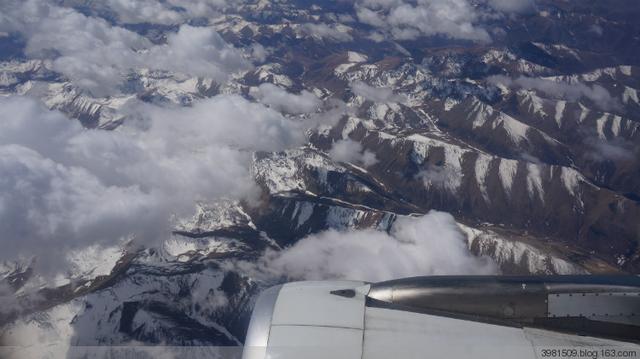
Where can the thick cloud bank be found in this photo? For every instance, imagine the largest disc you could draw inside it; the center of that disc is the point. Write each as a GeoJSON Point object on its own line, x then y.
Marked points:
{"type": "Point", "coordinates": [64, 187]}
{"type": "Point", "coordinates": [428, 245]}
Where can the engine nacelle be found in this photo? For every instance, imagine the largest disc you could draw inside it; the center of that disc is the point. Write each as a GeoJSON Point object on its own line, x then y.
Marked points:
{"type": "Point", "coordinates": [446, 317]}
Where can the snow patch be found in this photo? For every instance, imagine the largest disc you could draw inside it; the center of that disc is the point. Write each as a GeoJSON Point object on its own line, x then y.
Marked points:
{"type": "Point", "coordinates": [571, 179]}
{"type": "Point", "coordinates": [509, 253]}
{"type": "Point", "coordinates": [450, 103]}
{"type": "Point", "coordinates": [629, 94]}
{"type": "Point", "coordinates": [625, 70]}
{"type": "Point", "coordinates": [183, 248]}
{"type": "Point", "coordinates": [584, 112]}
{"type": "Point", "coordinates": [534, 103]}
{"type": "Point", "coordinates": [94, 261]}
{"type": "Point", "coordinates": [534, 181]}
{"type": "Point", "coordinates": [560, 106]}
{"type": "Point", "coordinates": [616, 124]}
{"type": "Point", "coordinates": [482, 166]}
{"type": "Point", "coordinates": [507, 170]}
{"type": "Point", "coordinates": [303, 212]}
{"type": "Point", "coordinates": [480, 113]}
{"type": "Point", "coordinates": [600, 125]}
{"type": "Point", "coordinates": [450, 174]}
{"type": "Point", "coordinates": [516, 130]}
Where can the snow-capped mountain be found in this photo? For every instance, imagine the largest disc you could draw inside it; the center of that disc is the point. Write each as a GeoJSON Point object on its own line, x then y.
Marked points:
{"type": "Point", "coordinates": [529, 138]}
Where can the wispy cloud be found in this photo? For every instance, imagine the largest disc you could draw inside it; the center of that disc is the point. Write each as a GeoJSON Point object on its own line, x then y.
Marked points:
{"type": "Point", "coordinates": [376, 94]}
{"type": "Point", "coordinates": [569, 91]}
{"type": "Point", "coordinates": [351, 151]}
{"type": "Point", "coordinates": [281, 100]}
{"type": "Point", "coordinates": [327, 32]}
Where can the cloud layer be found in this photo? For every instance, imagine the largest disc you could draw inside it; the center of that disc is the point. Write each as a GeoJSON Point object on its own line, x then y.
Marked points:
{"type": "Point", "coordinates": [66, 187]}
{"type": "Point", "coordinates": [167, 12]}
{"type": "Point", "coordinates": [407, 20]}
{"type": "Point", "coordinates": [455, 19]}
{"type": "Point", "coordinates": [97, 56]}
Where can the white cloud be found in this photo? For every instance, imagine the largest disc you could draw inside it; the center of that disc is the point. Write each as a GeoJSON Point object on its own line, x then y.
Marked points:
{"type": "Point", "coordinates": [437, 176]}
{"type": "Point", "coordinates": [324, 31]}
{"type": "Point", "coordinates": [456, 19]}
{"type": "Point", "coordinates": [144, 11]}
{"type": "Point", "coordinates": [613, 150]}
{"type": "Point", "coordinates": [196, 51]}
{"type": "Point", "coordinates": [66, 187]}
{"type": "Point", "coordinates": [370, 17]}
{"type": "Point", "coordinates": [376, 94]}
{"type": "Point", "coordinates": [406, 20]}
{"type": "Point", "coordinates": [351, 151]}
{"type": "Point", "coordinates": [96, 55]}
{"type": "Point", "coordinates": [259, 53]}
{"type": "Point", "coordinates": [428, 245]}
{"type": "Point", "coordinates": [49, 207]}
{"type": "Point", "coordinates": [332, 111]}
{"type": "Point", "coordinates": [167, 12]}
{"type": "Point", "coordinates": [570, 91]}
{"type": "Point", "coordinates": [281, 100]}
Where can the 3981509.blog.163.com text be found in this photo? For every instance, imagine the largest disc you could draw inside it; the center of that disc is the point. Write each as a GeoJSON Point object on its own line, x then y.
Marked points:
{"type": "Point", "coordinates": [588, 352]}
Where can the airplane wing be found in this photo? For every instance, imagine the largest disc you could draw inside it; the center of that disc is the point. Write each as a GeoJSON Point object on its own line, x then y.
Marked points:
{"type": "Point", "coordinates": [449, 317]}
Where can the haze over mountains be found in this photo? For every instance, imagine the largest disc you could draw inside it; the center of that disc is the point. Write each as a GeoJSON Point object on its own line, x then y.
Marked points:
{"type": "Point", "coordinates": [163, 161]}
